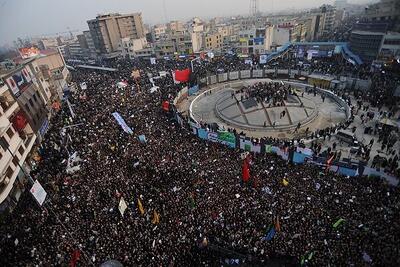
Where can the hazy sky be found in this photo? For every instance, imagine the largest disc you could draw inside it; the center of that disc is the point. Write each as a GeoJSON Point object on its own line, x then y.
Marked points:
{"type": "Point", "coordinates": [22, 18]}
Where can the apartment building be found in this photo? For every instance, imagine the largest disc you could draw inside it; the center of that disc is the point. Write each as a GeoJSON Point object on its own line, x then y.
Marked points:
{"type": "Point", "coordinates": [16, 141]}
{"type": "Point", "coordinates": [108, 30]}
{"type": "Point", "coordinates": [213, 41]}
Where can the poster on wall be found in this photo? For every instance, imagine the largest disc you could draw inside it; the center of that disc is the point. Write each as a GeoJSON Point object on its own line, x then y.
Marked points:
{"type": "Point", "coordinates": [19, 81]}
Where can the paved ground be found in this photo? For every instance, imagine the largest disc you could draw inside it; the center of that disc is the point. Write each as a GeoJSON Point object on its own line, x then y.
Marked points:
{"type": "Point", "coordinates": [327, 113]}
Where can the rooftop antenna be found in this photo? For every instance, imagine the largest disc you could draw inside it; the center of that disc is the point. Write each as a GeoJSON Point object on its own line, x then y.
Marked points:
{"type": "Point", "coordinates": [165, 12]}
{"type": "Point", "coordinates": [254, 8]}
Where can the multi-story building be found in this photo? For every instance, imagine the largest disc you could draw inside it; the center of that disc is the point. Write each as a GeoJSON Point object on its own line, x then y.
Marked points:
{"type": "Point", "coordinates": [132, 48]}
{"type": "Point", "coordinates": [64, 50]}
{"type": "Point", "coordinates": [108, 30]}
{"type": "Point", "coordinates": [175, 26]}
{"type": "Point", "coordinates": [213, 41]}
{"type": "Point", "coordinates": [27, 91]}
{"type": "Point", "coordinates": [328, 18]}
{"type": "Point", "coordinates": [75, 50]}
{"type": "Point", "coordinates": [276, 36]}
{"type": "Point", "coordinates": [54, 73]}
{"type": "Point", "coordinates": [366, 39]}
{"type": "Point", "coordinates": [158, 31]}
{"type": "Point", "coordinates": [390, 47]}
{"type": "Point", "coordinates": [49, 43]}
{"type": "Point", "coordinates": [387, 11]}
{"type": "Point", "coordinates": [252, 41]}
{"type": "Point", "coordinates": [16, 141]}
{"type": "Point", "coordinates": [300, 31]}
{"type": "Point", "coordinates": [90, 44]}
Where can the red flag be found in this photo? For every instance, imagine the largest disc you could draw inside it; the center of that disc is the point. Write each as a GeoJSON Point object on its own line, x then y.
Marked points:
{"type": "Point", "coordinates": [245, 171]}
{"type": "Point", "coordinates": [329, 163]}
{"type": "Point", "coordinates": [182, 75]}
{"type": "Point", "coordinates": [165, 105]}
{"type": "Point", "coordinates": [277, 224]}
{"type": "Point", "coordinates": [75, 258]}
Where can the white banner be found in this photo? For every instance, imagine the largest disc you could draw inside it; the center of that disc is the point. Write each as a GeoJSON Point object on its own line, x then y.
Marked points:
{"type": "Point", "coordinates": [38, 192]}
{"type": "Point", "coordinates": [263, 59]}
{"type": "Point", "coordinates": [122, 206]}
{"type": "Point", "coordinates": [153, 60]}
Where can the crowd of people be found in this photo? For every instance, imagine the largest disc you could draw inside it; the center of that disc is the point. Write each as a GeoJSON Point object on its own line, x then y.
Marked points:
{"type": "Point", "coordinates": [274, 93]}
{"type": "Point", "coordinates": [186, 202]}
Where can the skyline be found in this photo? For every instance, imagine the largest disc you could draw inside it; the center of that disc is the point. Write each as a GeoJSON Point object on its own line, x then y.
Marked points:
{"type": "Point", "coordinates": [42, 17]}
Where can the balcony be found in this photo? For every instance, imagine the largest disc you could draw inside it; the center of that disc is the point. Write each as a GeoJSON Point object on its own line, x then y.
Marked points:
{"type": "Point", "coordinates": [7, 104]}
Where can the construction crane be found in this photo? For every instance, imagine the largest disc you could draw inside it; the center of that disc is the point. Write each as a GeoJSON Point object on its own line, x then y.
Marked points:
{"type": "Point", "coordinates": [254, 7]}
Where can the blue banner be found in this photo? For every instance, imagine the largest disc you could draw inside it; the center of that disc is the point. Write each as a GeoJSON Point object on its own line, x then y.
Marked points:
{"type": "Point", "coordinates": [121, 122]}
{"type": "Point", "coordinates": [193, 90]}
{"type": "Point", "coordinates": [203, 134]}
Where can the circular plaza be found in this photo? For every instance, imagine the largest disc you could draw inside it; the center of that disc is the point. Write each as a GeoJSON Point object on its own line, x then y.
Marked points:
{"type": "Point", "coordinates": [301, 109]}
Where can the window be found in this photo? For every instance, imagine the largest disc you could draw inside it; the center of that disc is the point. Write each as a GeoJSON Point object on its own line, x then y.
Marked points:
{"type": "Point", "coordinates": [31, 102]}
{"type": "Point", "coordinates": [34, 97]}
{"type": "Point", "coordinates": [10, 132]}
{"type": "Point", "coordinates": [21, 150]}
{"type": "Point", "coordinates": [27, 108]}
{"type": "Point", "coordinates": [15, 161]}
{"type": "Point", "coordinates": [9, 172]}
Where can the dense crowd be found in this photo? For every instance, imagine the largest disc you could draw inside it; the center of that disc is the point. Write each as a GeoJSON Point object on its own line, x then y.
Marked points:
{"type": "Point", "coordinates": [194, 208]}
{"type": "Point", "coordinates": [274, 93]}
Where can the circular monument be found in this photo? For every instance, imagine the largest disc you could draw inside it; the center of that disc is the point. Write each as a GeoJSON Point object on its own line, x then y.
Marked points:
{"type": "Point", "coordinates": [303, 107]}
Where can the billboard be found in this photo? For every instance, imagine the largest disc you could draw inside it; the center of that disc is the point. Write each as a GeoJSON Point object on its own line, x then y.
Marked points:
{"type": "Point", "coordinates": [19, 81]}
{"type": "Point", "coordinates": [27, 52]}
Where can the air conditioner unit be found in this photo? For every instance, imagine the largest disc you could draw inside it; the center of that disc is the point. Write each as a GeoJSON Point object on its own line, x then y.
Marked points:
{"type": "Point", "coordinates": [6, 181]}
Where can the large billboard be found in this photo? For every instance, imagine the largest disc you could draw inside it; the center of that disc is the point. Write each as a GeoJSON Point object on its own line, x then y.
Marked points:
{"type": "Point", "coordinates": [19, 81]}
{"type": "Point", "coordinates": [28, 52]}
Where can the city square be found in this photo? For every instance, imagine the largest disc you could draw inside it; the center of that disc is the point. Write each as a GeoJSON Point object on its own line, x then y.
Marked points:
{"type": "Point", "coordinates": [263, 139]}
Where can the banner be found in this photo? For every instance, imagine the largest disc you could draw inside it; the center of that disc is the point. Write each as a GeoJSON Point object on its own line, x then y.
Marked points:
{"type": "Point", "coordinates": [213, 137]}
{"type": "Point", "coordinates": [227, 138]}
{"type": "Point", "coordinates": [246, 145]}
{"type": "Point", "coordinates": [193, 90]}
{"type": "Point", "coordinates": [153, 60]}
{"type": "Point", "coordinates": [135, 74]}
{"type": "Point", "coordinates": [182, 75]}
{"type": "Point", "coordinates": [263, 59]}
{"type": "Point", "coordinates": [122, 123]}
{"type": "Point", "coordinates": [38, 192]}
{"type": "Point", "coordinates": [202, 133]}
{"type": "Point", "coordinates": [256, 148]}
{"type": "Point", "coordinates": [122, 206]}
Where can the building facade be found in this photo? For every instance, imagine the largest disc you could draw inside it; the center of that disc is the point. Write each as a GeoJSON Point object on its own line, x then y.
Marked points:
{"type": "Point", "coordinates": [108, 30]}
{"type": "Point", "coordinates": [16, 141]}
{"type": "Point", "coordinates": [276, 36]}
